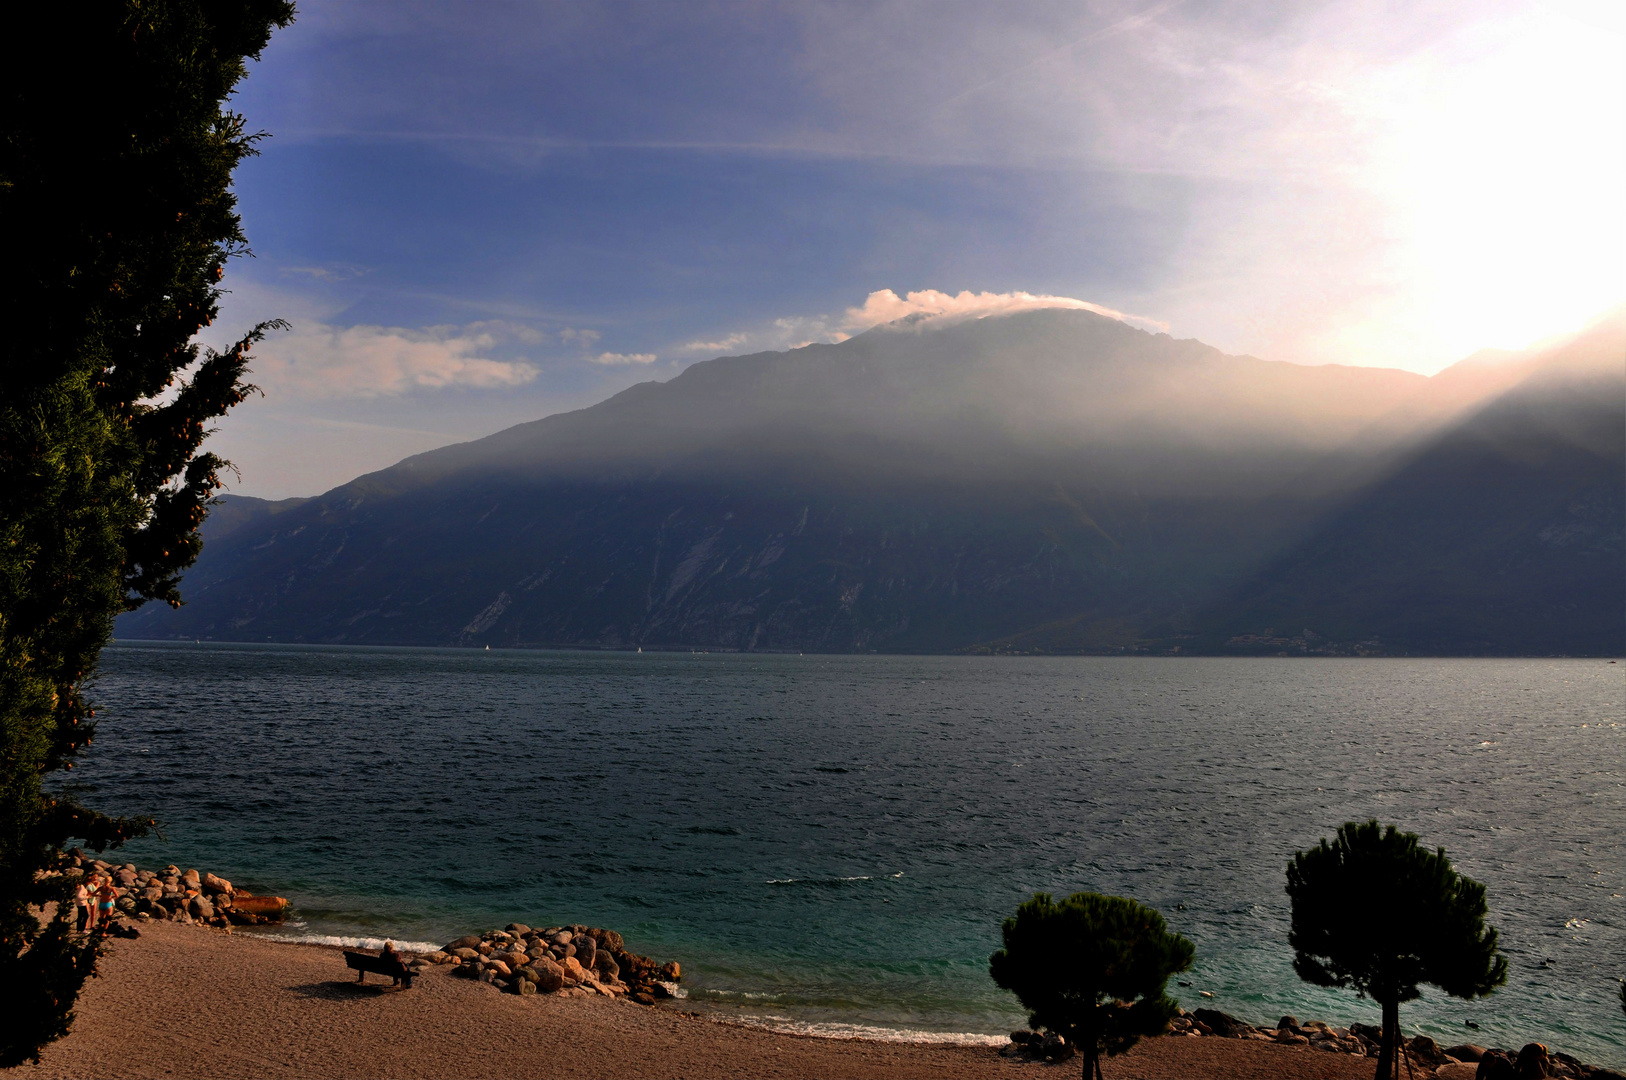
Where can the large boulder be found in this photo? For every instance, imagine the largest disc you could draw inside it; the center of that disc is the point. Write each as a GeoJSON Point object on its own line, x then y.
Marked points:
{"type": "Point", "coordinates": [1466, 1052]}
{"type": "Point", "coordinates": [201, 908]}
{"type": "Point", "coordinates": [573, 969]}
{"type": "Point", "coordinates": [1222, 1023]}
{"type": "Point", "coordinates": [467, 941]}
{"type": "Point", "coordinates": [549, 976]}
{"type": "Point", "coordinates": [586, 950]}
{"type": "Point", "coordinates": [213, 884]}
{"type": "Point", "coordinates": [1532, 1063]}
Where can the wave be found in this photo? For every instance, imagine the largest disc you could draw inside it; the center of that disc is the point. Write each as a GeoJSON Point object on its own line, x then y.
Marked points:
{"type": "Point", "coordinates": [868, 1031]}
{"type": "Point", "coordinates": [348, 942]}
{"type": "Point", "coordinates": [829, 881]}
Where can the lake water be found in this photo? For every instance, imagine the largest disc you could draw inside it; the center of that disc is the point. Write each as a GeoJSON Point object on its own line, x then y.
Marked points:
{"type": "Point", "coordinates": [830, 843]}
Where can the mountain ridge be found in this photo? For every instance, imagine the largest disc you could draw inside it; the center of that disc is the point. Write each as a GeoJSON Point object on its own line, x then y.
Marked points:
{"type": "Point", "coordinates": [908, 490]}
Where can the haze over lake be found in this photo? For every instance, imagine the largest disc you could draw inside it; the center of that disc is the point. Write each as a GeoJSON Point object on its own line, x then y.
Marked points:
{"type": "Point", "coordinates": [833, 841]}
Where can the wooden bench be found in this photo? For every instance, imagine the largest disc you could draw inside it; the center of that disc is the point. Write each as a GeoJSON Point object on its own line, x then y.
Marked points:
{"type": "Point", "coordinates": [362, 963]}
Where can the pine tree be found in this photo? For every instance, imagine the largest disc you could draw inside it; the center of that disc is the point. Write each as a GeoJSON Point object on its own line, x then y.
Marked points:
{"type": "Point", "coordinates": [1092, 969]}
{"type": "Point", "coordinates": [116, 221]}
{"type": "Point", "coordinates": [1376, 911]}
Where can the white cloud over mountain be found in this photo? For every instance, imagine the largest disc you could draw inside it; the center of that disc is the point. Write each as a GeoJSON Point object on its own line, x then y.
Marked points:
{"type": "Point", "coordinates": [318, 360]}
{"type": "Point", "coordinates": [931, 307]}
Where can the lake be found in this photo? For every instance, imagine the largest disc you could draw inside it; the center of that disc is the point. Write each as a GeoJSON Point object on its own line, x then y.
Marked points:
{"type": "Point", "coordinates": [829, 843]}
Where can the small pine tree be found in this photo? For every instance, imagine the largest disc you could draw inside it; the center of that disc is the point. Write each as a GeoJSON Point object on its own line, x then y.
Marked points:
{"type": "Point", "coordinates": [1092, 969]}
{"type": "Point", "coordinates": [1375, 910]}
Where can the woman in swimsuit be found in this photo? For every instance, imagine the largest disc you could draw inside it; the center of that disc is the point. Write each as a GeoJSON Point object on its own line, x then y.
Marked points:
{"type": "Point", "coordinates": [105, 895]}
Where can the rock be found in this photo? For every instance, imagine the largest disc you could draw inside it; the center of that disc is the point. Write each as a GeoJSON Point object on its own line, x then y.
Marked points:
{"type": "Point", "coordinates": [642, 998]}
{"type": "Point", "coordinates": [436, 957]}
{"type": "Point", "coordinates": [126, 878]}
{"type": "Point", "coordinates": [465, 954]}
{"type": "Point", "coordinates": [611, 940]}
{"type": "Point", "coordinates": [499, 967]}
{"type": "Point", "coordinates": [467, 941]}
{"type": "Point", "coordinates": [201, 908]}
{"type": "Point", "coordinates": [514, 960]}
{"type": "Point", "coordinates": [607, 968]}
{"type": "Point", "coordinates": [1465, 1052]}
{"type": "Point", "coordinates": [1456, 1070]}
{"type": "Point", "coordinates": [586, 949]}
{"type": "Point", "coordinates": [522, 987]}
{"type": "Point", "coordinates": [270, 907]}
{"type": "Point", "coordinates": [517, 928]}
{"type": "Point", "coordinates": [1221, 1023]}
{"type": "Point", "coordinates": [562, 937]}
{"type": "Point", "coordinates": [214, 884]}
{"type": "Point", "coordinates": [1055, 1048]}
{"type": "Point", "coordinates": [191, 877]}
{"type": "Point", "coordinates": [549, 976]}
{"type": "Point", "coordinates": [1288, 1022]}
{"type": "Point", "coordinates": [1426, 1049]}
{"type": "Point", "coordinates": [1292, 1040]}
{"type": "Point", "coordinates": [671, 971]}
{"type": "Point", "coordinates": [573, 969]}
{"type": "Point", "coordinates": [1532, 1062]}
{"type": "Point", "coordinates": [1496, 1065]}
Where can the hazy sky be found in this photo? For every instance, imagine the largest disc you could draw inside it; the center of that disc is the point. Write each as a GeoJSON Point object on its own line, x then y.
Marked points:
{"type": "Point", "coordinates": [476, 214]}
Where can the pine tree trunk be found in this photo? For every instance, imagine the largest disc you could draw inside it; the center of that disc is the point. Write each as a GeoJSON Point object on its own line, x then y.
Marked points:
{"type": "Point", "coordinates": [1389, 1054]}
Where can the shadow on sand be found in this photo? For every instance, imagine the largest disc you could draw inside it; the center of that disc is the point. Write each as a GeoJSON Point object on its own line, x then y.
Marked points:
{"type": "Point", "coordinates": [343, 990]}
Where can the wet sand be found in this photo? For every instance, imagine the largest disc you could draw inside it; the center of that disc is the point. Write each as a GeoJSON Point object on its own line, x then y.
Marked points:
{"type": "Point", "coordinates": [184, 1001]}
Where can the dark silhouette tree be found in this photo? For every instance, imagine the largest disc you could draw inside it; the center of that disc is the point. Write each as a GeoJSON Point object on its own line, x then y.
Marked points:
{"type": "Point", "coordinates": [1376, 911]}
{"type": "Point", "coordinates": [116, 221]}
{"type": "Point", "coordinates": [1092, 969]}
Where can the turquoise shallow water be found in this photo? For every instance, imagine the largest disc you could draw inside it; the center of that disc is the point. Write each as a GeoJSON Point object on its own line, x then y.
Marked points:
{"type": "Point", "coordinates": [833, 841]}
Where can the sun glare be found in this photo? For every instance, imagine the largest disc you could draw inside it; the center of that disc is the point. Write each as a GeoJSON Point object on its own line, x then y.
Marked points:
{"type": "Point", "coordinates": [1508, 166]}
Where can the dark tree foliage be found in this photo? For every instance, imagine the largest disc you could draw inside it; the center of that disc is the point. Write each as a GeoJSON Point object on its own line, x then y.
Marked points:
{"type": "Point", "coordinates": [1376, 911]}
{"type": "Point", "coordinates": [1092, 969]}
{"type": "Point", "coordinates": [116, 221]}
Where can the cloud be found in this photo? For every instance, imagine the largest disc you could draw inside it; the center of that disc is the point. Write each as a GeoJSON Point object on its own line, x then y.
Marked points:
{"type": "Point", "coordinates": [724, 345]}
{"type": "Point", "coordinates": [319, 360]}
{"type": "Point", "coordinates": [931, 308]}
{"type": "Point", "coordinates": [585, 338]}
{"type": "Point", "coordinates": [614, 358]}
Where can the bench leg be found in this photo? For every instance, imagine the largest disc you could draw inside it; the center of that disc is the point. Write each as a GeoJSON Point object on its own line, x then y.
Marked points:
{"type": "Point", "coordinates": [361, 976]}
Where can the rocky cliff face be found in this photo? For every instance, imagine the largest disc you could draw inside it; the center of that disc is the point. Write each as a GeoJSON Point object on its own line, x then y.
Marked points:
{"type": "Point", "coordinates": [1053, 481]}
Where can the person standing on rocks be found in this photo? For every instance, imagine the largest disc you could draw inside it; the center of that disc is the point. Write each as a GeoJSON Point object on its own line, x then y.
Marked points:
{"type": "Point", "coordinates": [81, 900]}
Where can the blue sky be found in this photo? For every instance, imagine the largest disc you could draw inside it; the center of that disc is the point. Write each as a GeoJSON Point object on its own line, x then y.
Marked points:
{"type": "Point", "coordinates": [476, 214]}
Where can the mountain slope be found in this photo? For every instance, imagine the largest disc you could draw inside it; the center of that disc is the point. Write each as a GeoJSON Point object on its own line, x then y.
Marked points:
{"type": "Point", "coordinates": [918, 488]}
{"type": "Point", "coordinates": [1505, 536]}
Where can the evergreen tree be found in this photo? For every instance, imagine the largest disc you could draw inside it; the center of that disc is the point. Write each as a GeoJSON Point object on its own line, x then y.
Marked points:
{"type": "Point", "coordinates": [1091, 969]}
{"type": "Point", "coordinates": [116, 221]}
{"type": "Point", "coordinates": [1376, 911]}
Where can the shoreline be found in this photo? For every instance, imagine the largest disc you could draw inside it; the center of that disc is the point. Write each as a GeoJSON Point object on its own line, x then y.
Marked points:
{"type": "Point", "coordinates": [187, 1000]}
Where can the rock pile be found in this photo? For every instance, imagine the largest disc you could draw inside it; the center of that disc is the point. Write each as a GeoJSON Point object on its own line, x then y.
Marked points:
{"type": "Point", "coordinates": [1462, 1062]}
{"type": "Point", "coordinates": [178, 895]}
{"type": "Point", "coordinates": [572, 961]}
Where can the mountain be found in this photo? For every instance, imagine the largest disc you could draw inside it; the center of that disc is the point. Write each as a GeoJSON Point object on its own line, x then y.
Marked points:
{"type": "Point", "coordinates": [1045, 481]}
{"type": "Point", "coordinates": [1506, 535]}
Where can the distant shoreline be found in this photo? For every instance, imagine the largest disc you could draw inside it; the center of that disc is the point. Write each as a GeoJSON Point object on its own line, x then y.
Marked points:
{"type": "Point", "coordinates": [679, 650]}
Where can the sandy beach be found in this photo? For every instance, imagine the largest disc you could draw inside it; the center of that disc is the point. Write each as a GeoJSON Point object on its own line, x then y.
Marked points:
{"type": "Point", "coordinates": [183, 1001]}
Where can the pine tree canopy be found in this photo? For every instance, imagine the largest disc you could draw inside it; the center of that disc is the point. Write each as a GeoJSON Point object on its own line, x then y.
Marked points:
{"type": "Point", "coordinates": [1092, 969]}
